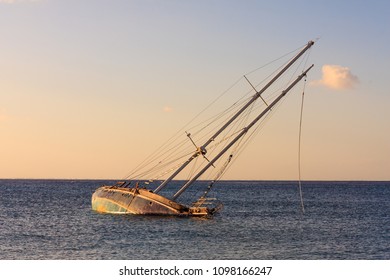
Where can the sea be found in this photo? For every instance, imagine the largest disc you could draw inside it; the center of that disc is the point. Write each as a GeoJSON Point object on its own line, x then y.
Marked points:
{"type": "Point", "coordinates": [53, 220]}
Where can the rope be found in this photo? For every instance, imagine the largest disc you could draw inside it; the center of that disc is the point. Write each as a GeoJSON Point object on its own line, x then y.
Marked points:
{"type": "Point", "coordinates": [299, 149]}
{"type": "Point", "coordinates": [169, 155]}
{"type": "Point", "coordinates": [202, 199]}
{"type": "Point", "coordinates": [273, 61]}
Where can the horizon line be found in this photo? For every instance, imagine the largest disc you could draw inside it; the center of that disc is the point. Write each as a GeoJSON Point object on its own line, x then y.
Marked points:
{"type": "Point", "coordinates": [223, 180]}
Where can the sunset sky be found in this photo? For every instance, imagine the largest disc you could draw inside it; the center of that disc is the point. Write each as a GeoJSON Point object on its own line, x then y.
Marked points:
{"type": "Point", "coordinates": [88, 88]}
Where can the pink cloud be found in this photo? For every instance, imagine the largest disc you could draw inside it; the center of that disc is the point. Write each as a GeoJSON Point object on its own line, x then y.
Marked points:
{"type": "Point", "coordinates": [337, 77]}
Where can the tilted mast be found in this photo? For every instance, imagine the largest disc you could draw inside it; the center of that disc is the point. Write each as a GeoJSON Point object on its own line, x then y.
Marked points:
{"type": "Point", "coordinates": [202, 149]}
{"type": "Point", "coordinates": [241, 134]}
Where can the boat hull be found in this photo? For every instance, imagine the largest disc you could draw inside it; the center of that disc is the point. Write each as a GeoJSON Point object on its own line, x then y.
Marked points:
{"type": "Point", "coordinates": [117, 200]}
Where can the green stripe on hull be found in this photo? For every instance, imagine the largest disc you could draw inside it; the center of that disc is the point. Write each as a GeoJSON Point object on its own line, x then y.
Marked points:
{"type": "Point", "coordinates": [105, 205]}
{"type": "Point", "coordinates": [131, 201]}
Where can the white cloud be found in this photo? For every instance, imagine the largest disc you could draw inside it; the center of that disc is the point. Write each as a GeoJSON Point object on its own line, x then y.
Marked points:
{"type": "Point", "coordinates": [337, 77]}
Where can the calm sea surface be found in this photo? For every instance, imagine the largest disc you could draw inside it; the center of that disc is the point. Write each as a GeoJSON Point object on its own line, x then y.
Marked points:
{"type": "Point", "coordinates": [52, 219]}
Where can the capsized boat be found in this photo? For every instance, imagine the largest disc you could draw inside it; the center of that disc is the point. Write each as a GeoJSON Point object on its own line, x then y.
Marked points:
{"type": "Point", "coordinates": [136, 195]}
{"type": "Point", "coordinates": [119, 199]}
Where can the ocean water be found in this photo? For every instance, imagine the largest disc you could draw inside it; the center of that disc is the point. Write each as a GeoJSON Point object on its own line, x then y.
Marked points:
{"type": "Point", "coordinates": [52, 219]}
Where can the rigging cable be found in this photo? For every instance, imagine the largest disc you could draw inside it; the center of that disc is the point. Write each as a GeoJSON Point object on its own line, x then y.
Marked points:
{"type": "Point", "coordinates": [299, 149]}
{"type": "Point", "coordinates": [157, 153]}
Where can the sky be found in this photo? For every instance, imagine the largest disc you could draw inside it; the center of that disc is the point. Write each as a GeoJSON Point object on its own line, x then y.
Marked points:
{"type": "Point", "coordinates": [88, 88]}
